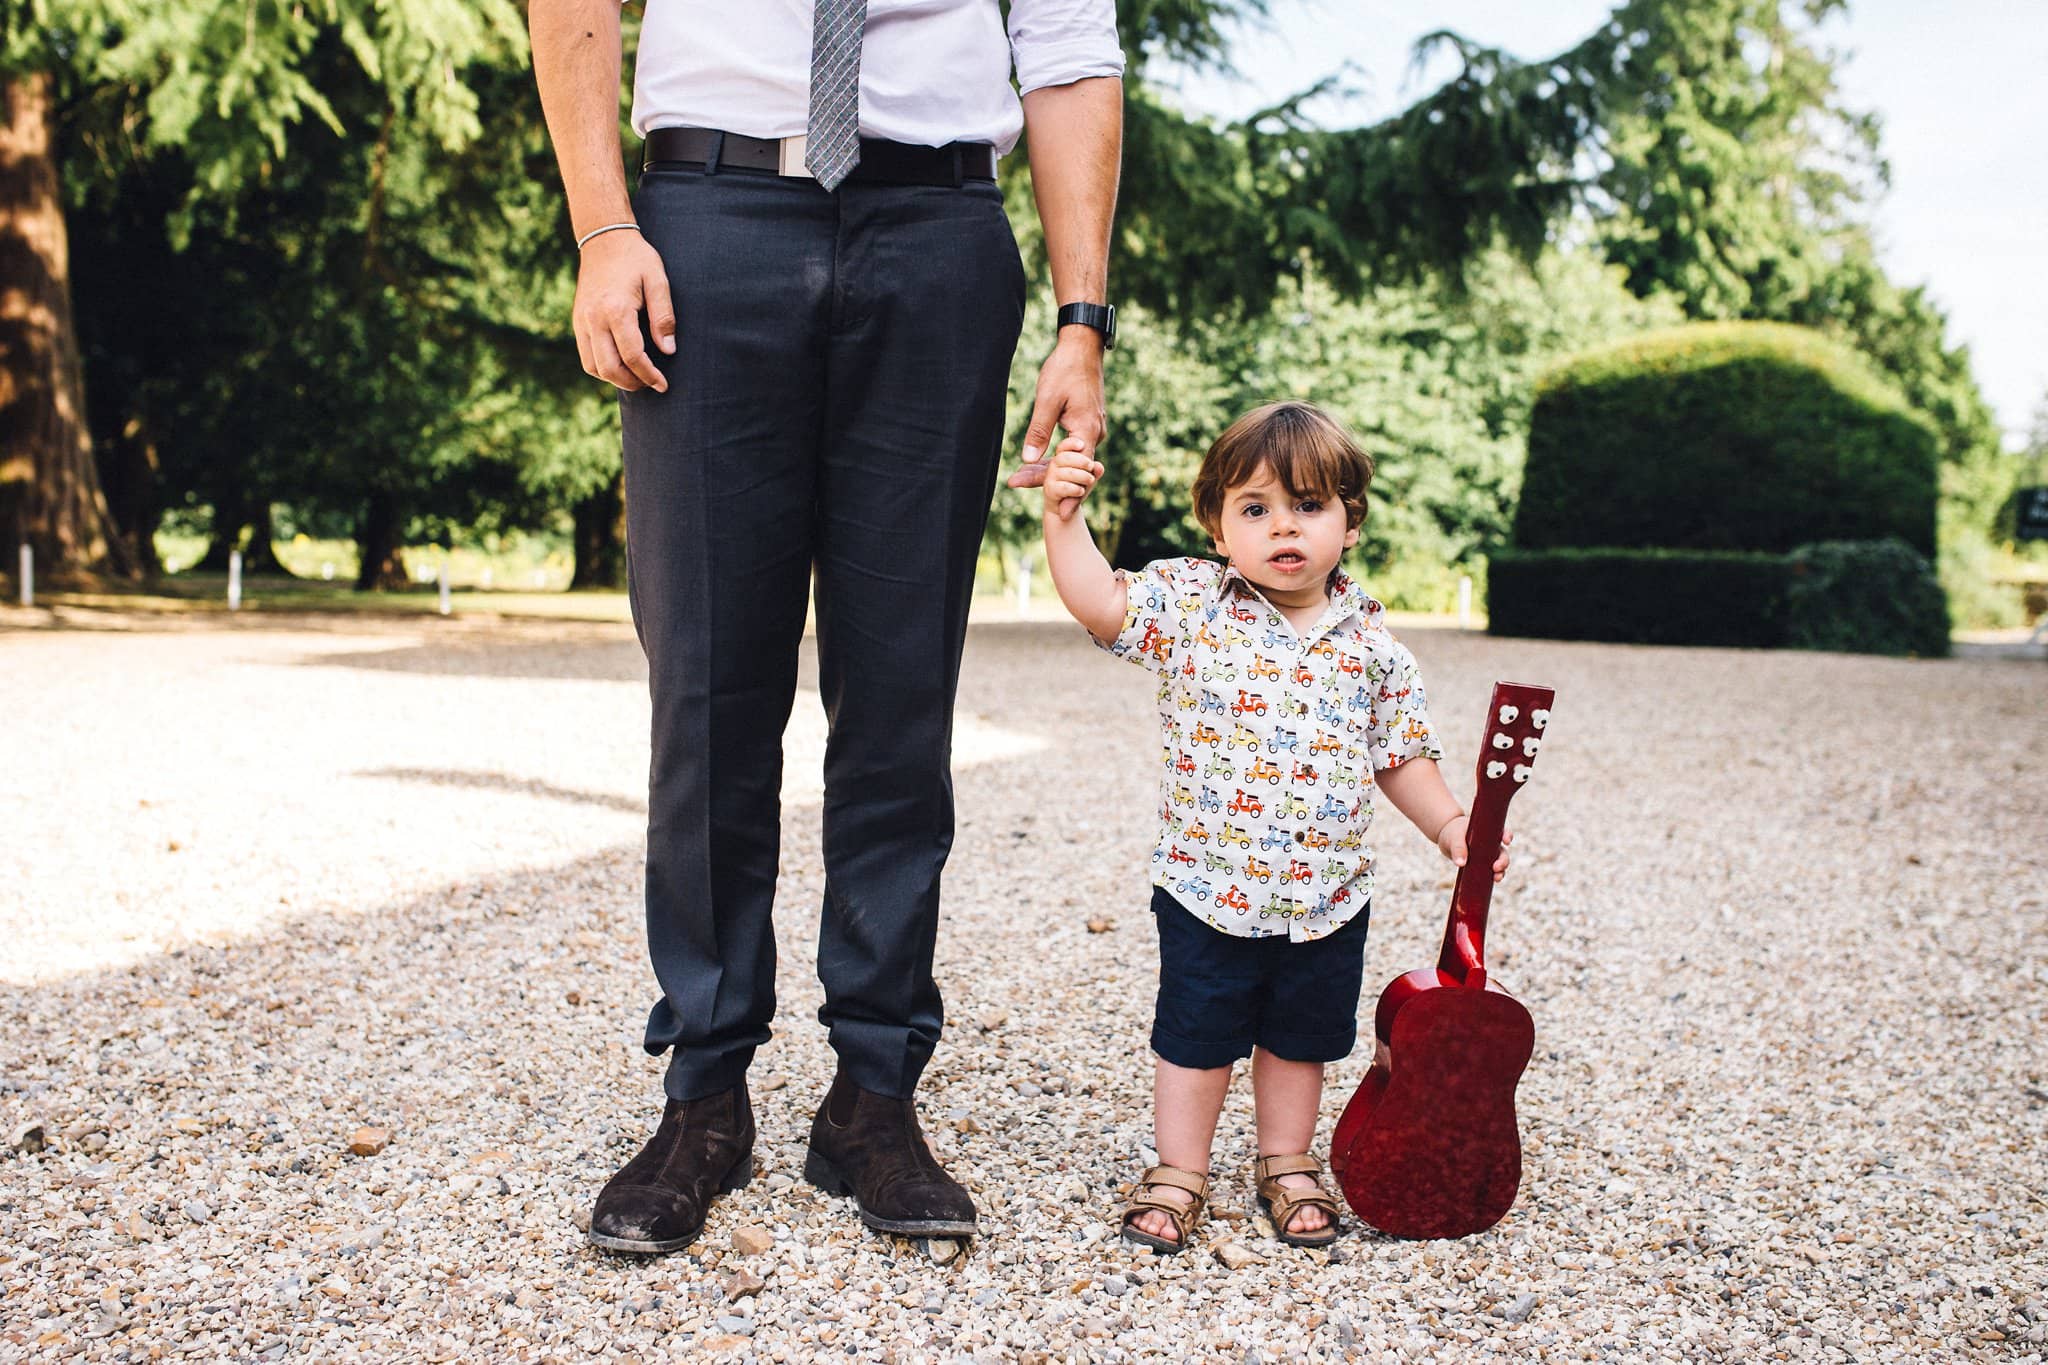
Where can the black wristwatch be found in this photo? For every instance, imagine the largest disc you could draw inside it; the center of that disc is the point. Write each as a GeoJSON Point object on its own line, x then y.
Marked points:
{"type": "Point", "coordinates": [1100, 316]}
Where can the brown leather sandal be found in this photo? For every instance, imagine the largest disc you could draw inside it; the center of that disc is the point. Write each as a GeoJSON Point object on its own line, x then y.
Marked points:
{"type": "Point", "coordinates": [1184, 1216]}
{"type": "Point", "coordinates": [1280, 1202]}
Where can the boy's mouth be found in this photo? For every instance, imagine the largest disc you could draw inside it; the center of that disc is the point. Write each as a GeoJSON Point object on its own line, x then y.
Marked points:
{"type": "Point", "coordinates": [1289, 561]}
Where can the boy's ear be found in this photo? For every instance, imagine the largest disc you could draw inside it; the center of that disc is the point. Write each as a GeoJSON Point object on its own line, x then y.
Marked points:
{"type": "Point", "coordinates": [1350, 537]}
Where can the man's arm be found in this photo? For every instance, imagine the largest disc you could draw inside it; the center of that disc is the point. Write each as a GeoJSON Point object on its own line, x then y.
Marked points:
{"type": "Point", "coordinates": [576, 64]}
{"type": "Point", "coordinates": [1075, 135]}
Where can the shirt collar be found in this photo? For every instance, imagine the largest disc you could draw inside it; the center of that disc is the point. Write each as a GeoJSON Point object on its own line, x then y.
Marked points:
{"type": "Point", "coordinates": [1346, 597]}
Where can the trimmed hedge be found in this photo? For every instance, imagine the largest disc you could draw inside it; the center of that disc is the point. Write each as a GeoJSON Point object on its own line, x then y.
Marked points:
{"type": "Point", "coordinates": [1870, 597]}
{"type": "Point", "coordinates": [1858, 596]}
{"type": "Point", "coordinates": [1724, 436]}
{"type": "Point", "coordinates": [1650, 597]}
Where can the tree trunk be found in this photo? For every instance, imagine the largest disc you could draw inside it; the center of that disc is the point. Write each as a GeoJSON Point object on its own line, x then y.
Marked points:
{"type": "Point", "coordinates": [133, 493]}
{"type": "Point", "coordinates": [601, 537]}
{"type": "Point", "coordinates": [377, 539]}
{"type": "Point", "coordinates": [231, 517]}
{"type": "Point", "coordinates": [226, 537]}
{"type": "Point", "coordinates": [49, 489]}
{"type": "Point", "coordinates": [261, 556]}
{"type": "Point", "coordinates": [230, 520]}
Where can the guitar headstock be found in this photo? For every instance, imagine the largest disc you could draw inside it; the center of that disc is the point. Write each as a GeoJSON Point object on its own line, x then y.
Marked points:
{"type": "Point", "coordinates": [1516, 722]}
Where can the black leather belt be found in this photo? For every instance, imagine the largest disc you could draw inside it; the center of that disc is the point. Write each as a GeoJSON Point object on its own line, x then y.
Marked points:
{"type": "Point", "coordinates": [899, 163]}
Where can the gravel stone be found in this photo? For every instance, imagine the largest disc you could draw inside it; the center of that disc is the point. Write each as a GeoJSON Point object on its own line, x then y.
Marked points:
{"type": "Point", "coordinates": [1519, 1310]}
{"type": "Point", "coordinates": [369, 1141]}
{"type": "Point", "coordinates": [1779, 918]}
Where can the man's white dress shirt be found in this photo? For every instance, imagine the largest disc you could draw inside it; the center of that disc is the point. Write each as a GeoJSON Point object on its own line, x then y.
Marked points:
{"type": "Point", "coordinates": [931, 71]}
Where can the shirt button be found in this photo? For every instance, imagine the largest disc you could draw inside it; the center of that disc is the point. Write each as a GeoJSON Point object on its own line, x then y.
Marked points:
{"type": "Point", "coordinates": [1301, 836]}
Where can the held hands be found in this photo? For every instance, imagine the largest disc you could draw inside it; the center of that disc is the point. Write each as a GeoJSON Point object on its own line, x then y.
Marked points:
{"type": "Point", "coordinates": [1069, 399]}
{"type": "Point", "coordinates": [619, 276]}
{"type": "Point", "coordinates": [1068, 477]}
{"type": "Point", "coordinates": [1450, 841]}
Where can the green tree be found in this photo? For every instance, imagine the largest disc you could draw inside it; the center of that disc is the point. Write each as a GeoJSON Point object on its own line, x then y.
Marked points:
{"type": "Point", "coordinates": [220, 98]}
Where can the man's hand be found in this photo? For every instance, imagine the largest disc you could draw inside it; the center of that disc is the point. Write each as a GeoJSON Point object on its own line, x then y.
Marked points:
{"type": "Point", "coordinates": [1069, 399]}
{"type": "Point", "coordinates": [1068, 477]}
{"type": "Point", "coordinates": [1451, 842]}
{"type": "Point", "coordinates": [620, 276]}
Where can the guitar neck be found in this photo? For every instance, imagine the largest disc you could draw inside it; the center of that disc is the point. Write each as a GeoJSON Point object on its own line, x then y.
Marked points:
{"type": "Point", "coordinates": [1515, 723]}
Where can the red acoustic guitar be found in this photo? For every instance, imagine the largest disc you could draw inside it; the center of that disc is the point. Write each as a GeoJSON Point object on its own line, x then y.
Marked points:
{"type": "Point", "coordinates": [1428, 1146]}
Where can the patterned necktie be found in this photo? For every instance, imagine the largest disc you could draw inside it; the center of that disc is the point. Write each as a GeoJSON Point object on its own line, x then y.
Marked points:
{"type": "Point", "coordinates": [832, 146]}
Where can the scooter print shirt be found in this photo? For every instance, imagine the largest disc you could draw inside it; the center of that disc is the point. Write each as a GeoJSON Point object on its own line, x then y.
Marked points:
{"type": "Point", "coordinates": [1270, 740]}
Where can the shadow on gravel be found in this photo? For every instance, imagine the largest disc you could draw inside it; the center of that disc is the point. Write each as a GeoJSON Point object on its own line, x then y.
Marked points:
{"type": "Point", "coordinates": [571, 652]}
{"type": "Point", "coordinates": [500, 782]}
{"type": "Point", "coordinates": [611, 653]}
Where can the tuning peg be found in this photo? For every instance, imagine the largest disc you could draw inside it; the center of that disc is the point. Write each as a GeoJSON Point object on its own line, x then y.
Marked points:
{"type": "Point", "coordinates": [1503, 741]}
{"type": "Point", "coordinates": [1508, 714]}
{"type": "Point", "coordinates": [1539, 718]}
{"type": "Point", "coordinates": [1522, 771]}
{"type": "Point", "coordinates": [1531, 744]}
{"type": "Point", "coordinates": [1496, 768]}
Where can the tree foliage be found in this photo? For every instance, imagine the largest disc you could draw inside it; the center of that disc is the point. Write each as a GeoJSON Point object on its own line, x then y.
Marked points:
{"type": "Point", "coordinates": [364, 306]}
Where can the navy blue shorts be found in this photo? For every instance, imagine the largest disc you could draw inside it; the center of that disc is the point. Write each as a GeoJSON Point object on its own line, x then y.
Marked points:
{"type": "Point", "coordinates": [1221, 995]}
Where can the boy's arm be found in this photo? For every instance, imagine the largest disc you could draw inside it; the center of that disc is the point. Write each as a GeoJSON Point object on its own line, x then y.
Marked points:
{"type": "Point", "coordinates": [1094, 594]}
{"type": "Point", "coordinates": [1418, 791]}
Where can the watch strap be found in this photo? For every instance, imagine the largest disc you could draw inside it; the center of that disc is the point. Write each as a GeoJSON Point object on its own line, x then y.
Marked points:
{"type": "Point", "coordinates": [1100, 316]}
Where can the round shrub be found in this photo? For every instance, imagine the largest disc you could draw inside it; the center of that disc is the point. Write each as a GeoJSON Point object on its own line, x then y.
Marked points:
{"type": "Point", "coordinates": [1724, 436]}
{"type": "Point", "coordinates": [1865, 597]}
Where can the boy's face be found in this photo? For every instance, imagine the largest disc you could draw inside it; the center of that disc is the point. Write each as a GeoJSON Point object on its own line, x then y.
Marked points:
{"type": "Point", "coordinates": [1286, 545]}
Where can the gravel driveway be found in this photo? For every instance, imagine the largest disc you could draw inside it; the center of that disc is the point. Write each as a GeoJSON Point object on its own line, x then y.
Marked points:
{"type": "Point", "coordinates": [1779, 918]}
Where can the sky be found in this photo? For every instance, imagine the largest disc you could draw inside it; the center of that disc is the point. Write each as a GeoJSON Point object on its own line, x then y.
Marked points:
{"type": "Point", "coordinates": [1957, 85]}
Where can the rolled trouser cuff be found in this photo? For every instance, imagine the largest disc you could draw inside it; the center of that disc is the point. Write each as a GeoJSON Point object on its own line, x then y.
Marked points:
{"type": "Point", "coordinates": [700, 1074]}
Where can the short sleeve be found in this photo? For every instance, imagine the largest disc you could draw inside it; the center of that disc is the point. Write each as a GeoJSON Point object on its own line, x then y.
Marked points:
{"type": "Point", "coordinates": [1400, 711]}
{"type": "Point", "coordinates": [1157, 604]}
{"type": "Point", "coordinates": [1058, 42]}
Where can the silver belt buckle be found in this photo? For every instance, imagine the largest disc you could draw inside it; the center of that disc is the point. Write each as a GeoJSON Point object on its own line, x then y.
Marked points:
{"type": "Point", "coordinates": [790, 156]}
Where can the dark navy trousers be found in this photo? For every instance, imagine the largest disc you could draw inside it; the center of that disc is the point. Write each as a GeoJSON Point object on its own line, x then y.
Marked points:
{"type": "Point", "coordinates": [833, 424]}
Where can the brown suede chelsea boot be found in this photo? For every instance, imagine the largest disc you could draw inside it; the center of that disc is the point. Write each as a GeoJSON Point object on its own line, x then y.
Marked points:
{"type": "Point", "coordinates": [871, 1147]}
{"type": "Point", "coordinates": [658, 1200]}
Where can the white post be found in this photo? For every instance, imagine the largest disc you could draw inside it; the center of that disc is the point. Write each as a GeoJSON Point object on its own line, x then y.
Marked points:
{"type": "Point", "coordinates": [444, 587]}
{"type": "Point", "coordinates": [28, 576]}
{"type": "Point", "coordinates": [327, 571]}
{"type": "Point", "coordinates": [1465, 602]}
{"type": "Point", "coordinates": [234, 580]}
{"type": "Point", "coordinates": [1023, 585]}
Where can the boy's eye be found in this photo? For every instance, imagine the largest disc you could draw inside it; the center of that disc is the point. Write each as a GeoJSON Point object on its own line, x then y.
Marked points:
{"type": "Point", "coordinates": [1254, 509]}
{"type": "Point", "coordinates": [1309, 505]}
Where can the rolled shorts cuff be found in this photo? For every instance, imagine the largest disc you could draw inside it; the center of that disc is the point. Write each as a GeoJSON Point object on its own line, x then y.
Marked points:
{"type": "Point", "coordinates": [1199, 1054]}
{"type": "Point", "coordinates": [1309, 1047]}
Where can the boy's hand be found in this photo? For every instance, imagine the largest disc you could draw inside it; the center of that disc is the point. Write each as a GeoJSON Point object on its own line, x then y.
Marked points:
{"type": "Point", "coordinates": [1068, 477]}
{"type": "Point", "coordinates": [1451, 840]}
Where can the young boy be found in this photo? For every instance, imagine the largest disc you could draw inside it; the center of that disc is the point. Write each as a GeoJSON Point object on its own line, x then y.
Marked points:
{"type": "Point", "coordinates": [1283, 702]}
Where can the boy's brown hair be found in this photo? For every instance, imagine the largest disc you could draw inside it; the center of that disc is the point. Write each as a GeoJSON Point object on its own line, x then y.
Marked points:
{"type": "Point", "coordinates": [1307, 451]}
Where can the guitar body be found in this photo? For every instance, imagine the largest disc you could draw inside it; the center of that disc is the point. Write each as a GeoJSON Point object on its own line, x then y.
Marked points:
{"type": "Point", "coordinates": [1428, 1145]}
